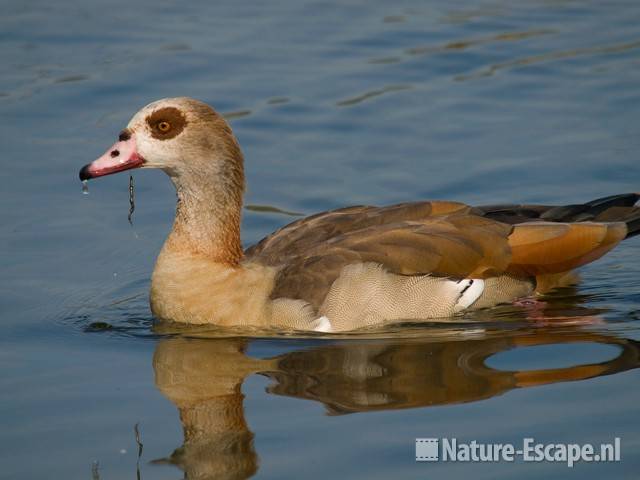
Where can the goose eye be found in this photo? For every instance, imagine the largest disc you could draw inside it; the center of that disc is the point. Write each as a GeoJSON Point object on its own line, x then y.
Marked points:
{"type": "Point", "coordinates": [166, 123]}
{"type": "Point", "coordinates": [163, 126]}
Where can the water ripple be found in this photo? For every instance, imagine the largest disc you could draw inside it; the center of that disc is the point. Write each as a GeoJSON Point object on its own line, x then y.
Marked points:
{"type": "Point", "coordinates": [549, 57]}
{"type": "Point", "coordinates": [372, 94]}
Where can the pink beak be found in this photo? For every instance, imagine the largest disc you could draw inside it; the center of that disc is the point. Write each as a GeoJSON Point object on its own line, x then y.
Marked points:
{"type": "Point", "coordinates": [123, 155]}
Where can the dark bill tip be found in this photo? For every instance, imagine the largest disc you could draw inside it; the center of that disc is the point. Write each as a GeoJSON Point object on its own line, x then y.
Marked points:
{"type": "Point", "coordinates": [84, 173]}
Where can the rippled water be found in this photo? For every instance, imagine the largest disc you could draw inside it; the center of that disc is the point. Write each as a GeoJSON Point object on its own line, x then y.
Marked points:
{"type": "Point", "coordinates": [334, 104]}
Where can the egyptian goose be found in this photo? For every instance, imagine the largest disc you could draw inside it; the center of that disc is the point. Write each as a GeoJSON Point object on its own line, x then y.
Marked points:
{"type": "Point", "coordinates": [347, 268]}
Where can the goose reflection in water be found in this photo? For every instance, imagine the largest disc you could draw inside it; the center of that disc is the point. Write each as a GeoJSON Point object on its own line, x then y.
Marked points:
{"type": "Point", "coordinates": [203, 378]}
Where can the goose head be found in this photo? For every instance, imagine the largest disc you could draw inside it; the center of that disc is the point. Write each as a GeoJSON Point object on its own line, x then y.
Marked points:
{"type": "Point", "coordinates": [195, 146]}
{"type": "Point", "coordinates": [182, 136]}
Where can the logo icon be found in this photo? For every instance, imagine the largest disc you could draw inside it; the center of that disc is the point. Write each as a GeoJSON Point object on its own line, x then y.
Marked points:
{"type": "Point", "coordinates": [426, 449]}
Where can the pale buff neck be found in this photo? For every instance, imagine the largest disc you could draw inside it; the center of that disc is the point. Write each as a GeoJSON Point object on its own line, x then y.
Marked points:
{"type": "Point", "coordinates": [208, 213]}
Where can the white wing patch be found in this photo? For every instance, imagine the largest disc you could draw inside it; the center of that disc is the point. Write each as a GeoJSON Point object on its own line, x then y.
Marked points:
{"type": "Point", "coordinates": [322, 324]}
{"type": "Point", "coordinates": [470, 290]}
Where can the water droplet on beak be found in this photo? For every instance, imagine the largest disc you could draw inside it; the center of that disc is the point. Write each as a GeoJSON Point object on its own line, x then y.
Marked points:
{"type": "Point", "coordinates": [85, 187]}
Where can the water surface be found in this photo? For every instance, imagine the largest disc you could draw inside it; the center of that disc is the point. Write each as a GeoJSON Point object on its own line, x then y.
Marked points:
{"type": "Point", "coordinates": [334, 104]}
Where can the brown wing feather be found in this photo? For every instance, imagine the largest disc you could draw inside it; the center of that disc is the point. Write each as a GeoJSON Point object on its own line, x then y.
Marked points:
{"type": "Point", "coordinates": [543, 247]}
{"type": "Point", "coordinates": [296, 238]}
{"type": "Point", "coordinates": [441, 238]}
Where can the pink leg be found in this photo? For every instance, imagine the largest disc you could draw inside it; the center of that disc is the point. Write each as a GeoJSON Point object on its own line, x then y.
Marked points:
{"type": "Point", "coordinates": [535, 310]}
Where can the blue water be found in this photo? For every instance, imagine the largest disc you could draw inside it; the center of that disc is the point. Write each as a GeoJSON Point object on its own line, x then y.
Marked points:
{"type": "Point", "coordinates": [333, 104]}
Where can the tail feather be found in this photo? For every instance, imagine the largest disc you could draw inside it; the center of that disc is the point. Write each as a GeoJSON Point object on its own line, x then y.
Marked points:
{"type": "Point", "coordinates": [615, 208]}
{"type": "Point", "coordinates": [634, 225]}
{"type": "Point", "coordinates": [628, 215]}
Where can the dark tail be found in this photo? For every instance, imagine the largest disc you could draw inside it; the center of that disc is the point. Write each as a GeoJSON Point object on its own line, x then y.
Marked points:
{"type": "Point", "coordinates": [616, 208]}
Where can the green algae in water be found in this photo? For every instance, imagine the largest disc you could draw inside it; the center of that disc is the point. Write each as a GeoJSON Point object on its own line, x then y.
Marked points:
{"type": "Point", "coordinates": [132, 199]}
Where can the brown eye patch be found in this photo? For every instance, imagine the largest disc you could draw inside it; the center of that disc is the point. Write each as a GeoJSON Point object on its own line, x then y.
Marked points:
{"type": "Point", "coordinates": [166, 123]}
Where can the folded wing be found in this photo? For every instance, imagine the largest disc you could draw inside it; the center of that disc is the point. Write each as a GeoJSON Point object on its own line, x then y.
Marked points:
{"type": "Point", "coordinates": [443, 239]}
